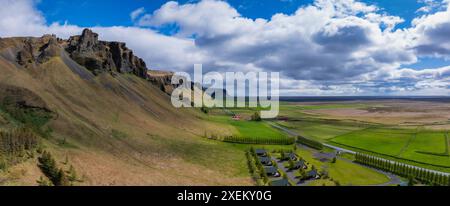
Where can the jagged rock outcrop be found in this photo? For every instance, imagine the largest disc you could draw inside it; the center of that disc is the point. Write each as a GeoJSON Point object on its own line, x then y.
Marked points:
{"type": "Point", "coordinates": [162, 80]}
{"type": "Point", "coordinates": [86, 50]}
{"type": "Point", "coordinates": [100, 56]}
{"type": "Point", "coordinates": [38, 50]}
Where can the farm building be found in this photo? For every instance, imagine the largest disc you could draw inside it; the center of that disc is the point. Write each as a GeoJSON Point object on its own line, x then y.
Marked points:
{"type": "Point", "coordinates": [236, 117]}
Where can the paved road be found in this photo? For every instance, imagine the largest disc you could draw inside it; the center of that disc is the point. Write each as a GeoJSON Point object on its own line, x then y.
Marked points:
{"type": "Point", "coordinates": [339, 149]}
{"type": "Point", "coordinates": [290, 132]}
{"type": "Point", "coordinates": [290, 174]}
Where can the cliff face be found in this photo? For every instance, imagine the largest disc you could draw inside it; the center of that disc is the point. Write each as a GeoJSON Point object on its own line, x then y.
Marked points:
{"type": "Point", "coordinates": [86, 50]}
{"type": "Point", "coordinates": [97, 56]}
{"type": "Point", "coordinates": [100, 56]}
{"type": "Point", "coordinates": [162, 80]}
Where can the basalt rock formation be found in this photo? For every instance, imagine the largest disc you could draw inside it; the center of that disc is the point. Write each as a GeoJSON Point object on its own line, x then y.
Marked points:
{"type": "Point", "coordinates": [86, 49]}
{"type": "Point", "coordinates": [162, 80]}
{"type": "Point", "coordinates": [100, 56]}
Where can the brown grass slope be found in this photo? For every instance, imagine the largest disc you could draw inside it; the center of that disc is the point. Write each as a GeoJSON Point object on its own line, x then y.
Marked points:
{"type": "Point", "coordinates": [117, 129]}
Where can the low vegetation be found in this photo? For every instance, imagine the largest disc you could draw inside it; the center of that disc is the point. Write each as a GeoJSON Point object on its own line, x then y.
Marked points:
{"type": "Point", "coordinates": [34, 118]}
{"type": "Point", "coordinates": [310, 143]}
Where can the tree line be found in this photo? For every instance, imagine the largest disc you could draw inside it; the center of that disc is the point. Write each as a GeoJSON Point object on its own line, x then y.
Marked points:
{"type": "Point", "coordinates": [17, 140]}
{"type": "Point", "coordinates": [261, 141]}
{"type": "Point", "coordinates": [310, 143]}
{"type": "Point", "coordinates": [413, 173]}
{"type": "Point", "coordinates": [56, 175]}
{"type": "Point", "coordinates": [256, 168]}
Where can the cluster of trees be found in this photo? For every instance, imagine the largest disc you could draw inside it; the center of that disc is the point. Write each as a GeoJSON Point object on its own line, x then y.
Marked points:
{"type": "Point", "coordinates": [256, 117]}
{"type": "Point", "coordinates": [56, 175]}
{"type": "Point", "coordinates": [256, 168]}
{"type": "Point", "coordinates": [204, 110]}
{"type": "Point", "coordinates": [16, 141]}
{"type": "Point", "coordinates": [310, 143]}
{"type": "Point", "coordinates": [262, 141]}
{"type": "Point", "coordinates": [413, 173]}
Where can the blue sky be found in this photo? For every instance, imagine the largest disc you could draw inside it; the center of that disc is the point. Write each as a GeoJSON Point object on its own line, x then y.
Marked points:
{"type": "Point", "coordinates": [89, 13]}
{"type": "Point", "coordinates": [320, 47]}
{"type": "Point", "coordinates": [115, 12]}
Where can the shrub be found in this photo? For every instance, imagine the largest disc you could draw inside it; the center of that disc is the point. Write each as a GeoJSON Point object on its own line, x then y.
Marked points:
{"type": "Point", "coordinates": [48, 166]}
{"type": "Point", "coordinates": [256, 117]}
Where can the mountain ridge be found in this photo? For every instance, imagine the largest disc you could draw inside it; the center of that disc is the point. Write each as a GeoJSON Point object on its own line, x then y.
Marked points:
{"type": "Point", "coordinates": [116, 127]}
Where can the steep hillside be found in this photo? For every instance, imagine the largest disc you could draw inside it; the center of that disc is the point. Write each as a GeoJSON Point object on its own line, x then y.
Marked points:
{"type": "Point", "coordinates": [104, 114]}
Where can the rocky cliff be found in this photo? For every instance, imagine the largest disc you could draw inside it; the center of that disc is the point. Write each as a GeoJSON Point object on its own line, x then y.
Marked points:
{"type": "Point", "coordinates": [100, 56]}
{"type": "Point", "coordinates": [162, 80]}
{"type": "Point", "coordinates": [88, 51]}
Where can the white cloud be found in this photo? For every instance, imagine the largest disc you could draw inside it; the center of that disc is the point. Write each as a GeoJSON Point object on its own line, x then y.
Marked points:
{"type": "Point", "coordinates": [20, 18]}
{"type": "Point", "coordinates": [136, 13]}
{"type": "Point", "coordinates": [432, 33]}
{"type": "Point", "coordinates": [328, 40]}
{"type": "Point", "coordinates": [329, 47]}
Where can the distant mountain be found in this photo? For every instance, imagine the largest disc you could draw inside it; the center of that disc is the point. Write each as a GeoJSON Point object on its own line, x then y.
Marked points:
{"type": "Point", "coordinates": [96, 104]}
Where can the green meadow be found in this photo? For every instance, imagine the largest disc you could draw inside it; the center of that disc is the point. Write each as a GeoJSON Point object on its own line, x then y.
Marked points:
{"type": "Point", "coordinates": [423, 148]}
{"type": "Point", "coordinates": [249, 129]}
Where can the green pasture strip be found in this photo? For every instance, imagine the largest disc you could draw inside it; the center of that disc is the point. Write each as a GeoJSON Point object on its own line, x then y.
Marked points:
{"type": "Point", "coordinates": [413, 136]}
{"type": "Point", "coordinates": [376, 140]}
{"type": "Point", "coordinates": [391, 157]}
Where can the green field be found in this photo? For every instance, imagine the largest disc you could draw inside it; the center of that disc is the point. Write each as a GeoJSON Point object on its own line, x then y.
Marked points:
{"type": "Point", "coordinates": [422, 147]}
{"type": "Point", "coordinates": [384, 141]}
{"type": "Point", "coordinates": [319, 130]}
{"type": "Point", "coordinates": [250, 129]}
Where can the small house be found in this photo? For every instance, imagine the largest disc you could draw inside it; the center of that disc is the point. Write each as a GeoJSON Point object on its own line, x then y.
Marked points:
{"type": "Point", "coordinates": [280, 183]}
{"type": "Point", "coordinates": [291, 156]}
{"type": "Point", "coordinates": [265, 161]}
{"type": "Point", "coordinates": [300, 164]}
{"type": "Point", "coordinates": [272, 171]}
{"type": "Point", "coordinates": [261, 152]}
{"type": "Point", "coordinates": [313, 174]}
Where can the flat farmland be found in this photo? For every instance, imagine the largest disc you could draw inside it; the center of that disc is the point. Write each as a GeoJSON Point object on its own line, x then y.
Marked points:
{"type": "Point", "coordinates": [320, 130]}
{"type": "Point", "coordinates": [385, 141]}
{"type": "Point", "coordinates": [424, 147]}
{"type": "Point", "coordinates": [428, 147]}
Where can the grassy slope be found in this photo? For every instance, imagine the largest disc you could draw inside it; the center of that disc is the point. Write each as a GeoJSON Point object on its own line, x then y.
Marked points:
{"type": "Point", "coordinates": [157, 145]}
